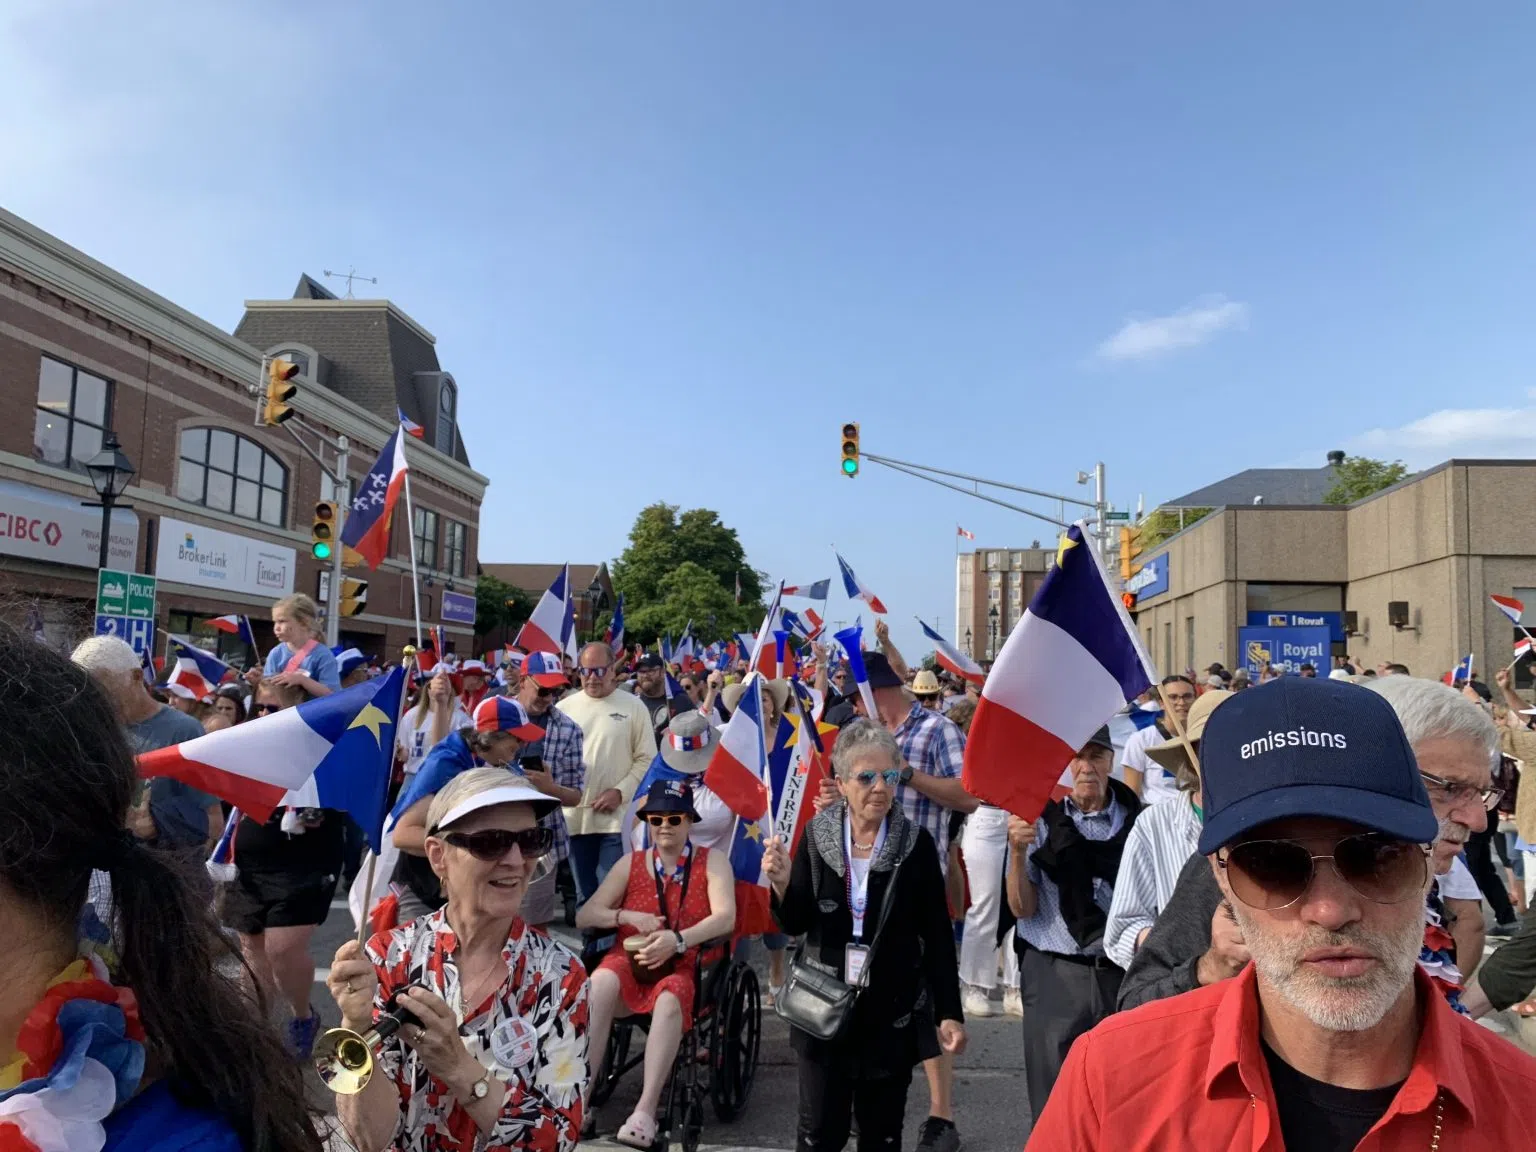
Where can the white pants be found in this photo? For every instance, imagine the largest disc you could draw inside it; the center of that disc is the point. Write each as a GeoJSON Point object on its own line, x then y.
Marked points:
{"type": "Point", "coordinates": [985, 845]}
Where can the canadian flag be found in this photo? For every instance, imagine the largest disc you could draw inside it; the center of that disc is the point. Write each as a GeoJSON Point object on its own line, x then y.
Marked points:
{"type": "Point", "coordinates": [959, 531]}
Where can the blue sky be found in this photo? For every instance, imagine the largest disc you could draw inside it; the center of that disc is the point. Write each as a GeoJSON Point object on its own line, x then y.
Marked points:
{"type": "Point", "coordinates": [689, 239]}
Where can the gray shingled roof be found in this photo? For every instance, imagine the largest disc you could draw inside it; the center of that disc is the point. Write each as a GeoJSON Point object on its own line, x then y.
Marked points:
{"type": "Point", "coordinates": [1275, 485]}
{"type": "Point", "coordinates": [372, 354]}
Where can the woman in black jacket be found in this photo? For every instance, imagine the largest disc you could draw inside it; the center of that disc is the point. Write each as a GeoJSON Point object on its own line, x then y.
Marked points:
{"type": "Point", "coordinates": [833, 894]}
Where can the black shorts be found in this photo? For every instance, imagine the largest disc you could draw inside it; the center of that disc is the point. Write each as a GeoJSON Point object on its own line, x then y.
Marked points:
{"type": "Point", "coordinates": [256, 901]}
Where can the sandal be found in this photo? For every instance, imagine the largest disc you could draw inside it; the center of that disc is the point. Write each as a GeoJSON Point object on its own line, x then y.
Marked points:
{"type": "Point", "coordinates": [639, 1130]}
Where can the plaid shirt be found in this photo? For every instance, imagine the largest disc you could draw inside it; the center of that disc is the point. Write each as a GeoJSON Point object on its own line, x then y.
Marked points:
{"type": "Point", "coordinates": [561, 752]}
{"type": "Point", "coordinates": [934, 744]}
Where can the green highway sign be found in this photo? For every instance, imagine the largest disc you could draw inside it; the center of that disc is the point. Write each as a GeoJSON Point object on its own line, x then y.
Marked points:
{"type": "Point", "coordinates": [1117, 516]}
{"type": "Point", "coordinates": [125, 594]}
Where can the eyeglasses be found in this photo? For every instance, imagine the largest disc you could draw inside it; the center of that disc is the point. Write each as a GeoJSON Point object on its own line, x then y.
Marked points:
{"type": "Point", "coordinates": [1179, 697]}
{"type": "Point", "coordinates": [1455, 792]}
{"type": "Point", "coordinates": [258, 708]}
{"type": "Point", "coordinates": [891, 776]}
{"type": "Point", "coordinates": [1273, 874]}
{"type": "Point", "coordinates": [589, 673]}
{"type": "Point", "coordinates": [545, 693]}
{"type": "Point", "coordinates": [493, 843]}
{"type": "Point", "coordinates": [657, 820]}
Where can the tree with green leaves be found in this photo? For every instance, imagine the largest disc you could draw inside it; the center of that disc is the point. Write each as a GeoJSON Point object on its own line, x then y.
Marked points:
{"type": "Point", "coordinates": [1359, 476]}
{"type": "Point", "coordinates": [499, 607]}
{"type": "Point", "coordinates": [1165, 522]}
{"type": "Point", "coordinates": [681, 567]}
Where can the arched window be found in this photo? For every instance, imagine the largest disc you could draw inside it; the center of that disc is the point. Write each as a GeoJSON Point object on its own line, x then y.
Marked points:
{"type": "Point", "coordinates": [227, 472]}
{"type": "Point", "coordinates": [294, 356]}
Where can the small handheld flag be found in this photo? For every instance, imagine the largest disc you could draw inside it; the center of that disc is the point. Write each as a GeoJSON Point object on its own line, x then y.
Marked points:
{"type": "Point", "coordinates": [951, 659]}
{"type": "Point", "coordinates": [546, 630]}
{"type": "Point", "coordinates": [857, 590]}
{"type": "Point", "coordinates": [737, 767]}
{"type": "Point", "coordinates": [1511, 607]}
{"type": "Point", "coordinates": [213, 670]}
{"type": "Point", "coordinates": [816, 590]}
{"type": "Point", "coordinates": [1073, 661]}
{"type": "Point", "coordinates": [615, 633]}
{"type": "Point", "coordinates": [234, 626]}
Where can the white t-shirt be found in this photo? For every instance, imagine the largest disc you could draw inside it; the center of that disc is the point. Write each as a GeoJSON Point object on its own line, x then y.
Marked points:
{"type": "Point", "coordinates": [1157, 783]}
{"type": "Point", "coordinates": [413, 744]}
{"type": "Point", "coordinates": [1457, 884]}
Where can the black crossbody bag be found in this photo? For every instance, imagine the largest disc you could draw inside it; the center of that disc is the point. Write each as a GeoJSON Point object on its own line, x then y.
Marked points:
{"type": "Point", "coordinates": [817, 1001]}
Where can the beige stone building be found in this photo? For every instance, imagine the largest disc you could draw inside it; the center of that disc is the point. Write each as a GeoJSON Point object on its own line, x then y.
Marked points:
{"type": "Point", "coordinates": [1439, 542]}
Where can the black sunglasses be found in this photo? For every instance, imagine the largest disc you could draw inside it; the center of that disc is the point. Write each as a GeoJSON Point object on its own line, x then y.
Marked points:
{"type": "Point", "coordinates": [1274, 874]}
{"type": "Point", "coordinates": [258, 709]}
{"type": "Point", "coordinates": [656, 820]}
{"type": "Point", "coordinates": [545, 693]}
{"type": "Point", "coordinates": [491, 844]}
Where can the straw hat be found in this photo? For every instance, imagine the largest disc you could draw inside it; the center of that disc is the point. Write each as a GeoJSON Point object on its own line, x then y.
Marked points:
{"type": "Point", "coordinates": [778, 690]}
{"type": "Point", "coordinates": [925, 683]}
{"type": "Point", "coordinates": [1171, 754]}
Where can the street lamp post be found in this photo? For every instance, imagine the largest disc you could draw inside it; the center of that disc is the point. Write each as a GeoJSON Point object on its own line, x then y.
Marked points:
{"type": "Point", "coordinates": [992, 630]}
{"type": "Point", "coordinates": [968, 650]}
{"type": "Point", "coordinates": [110, 472]}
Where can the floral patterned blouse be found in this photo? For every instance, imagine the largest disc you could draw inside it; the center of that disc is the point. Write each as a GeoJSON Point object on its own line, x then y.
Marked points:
{"type": "Point", "coordinates": [530, 1034]}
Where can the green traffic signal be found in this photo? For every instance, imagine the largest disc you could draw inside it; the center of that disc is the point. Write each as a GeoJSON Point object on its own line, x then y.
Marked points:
{"type": "Point", "coordinates": [850, 467]}
{"type": "Point", "coordinates": [320, 550]}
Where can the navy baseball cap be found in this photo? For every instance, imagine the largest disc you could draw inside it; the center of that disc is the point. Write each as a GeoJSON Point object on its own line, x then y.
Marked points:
{"type": "Point", "coordinates": [1299, 746]}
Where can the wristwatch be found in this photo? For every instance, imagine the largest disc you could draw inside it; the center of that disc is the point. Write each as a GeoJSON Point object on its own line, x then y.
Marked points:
{"type": "Point", "coordinates": [681, 945]}
{"type": "Point", "coordinates": [481, 1087]}
{"type": "Point", "coordinates": [906, 773]}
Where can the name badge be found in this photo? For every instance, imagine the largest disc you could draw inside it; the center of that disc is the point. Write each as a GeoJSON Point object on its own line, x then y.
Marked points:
{"type": "Point", "coordinates": [514, 1043]}
{"type": "Point", "coordinates": [854, 958]}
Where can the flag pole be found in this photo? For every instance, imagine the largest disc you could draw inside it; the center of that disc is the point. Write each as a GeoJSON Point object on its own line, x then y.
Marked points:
{"type": "Point", "coordinates": [407, 667]}
{"type": "Point", "coordinates": [1178, 730]}
{"type": "Point", "coordinates": [410, 533]}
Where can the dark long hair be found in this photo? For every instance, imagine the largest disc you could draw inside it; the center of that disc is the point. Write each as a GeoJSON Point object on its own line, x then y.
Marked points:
{"type": "Point", "coordinates": [66, 780]}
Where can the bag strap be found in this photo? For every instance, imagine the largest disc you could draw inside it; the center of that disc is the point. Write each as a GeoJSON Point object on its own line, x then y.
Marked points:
{"type": "Point", "coordinates": [885, 911]}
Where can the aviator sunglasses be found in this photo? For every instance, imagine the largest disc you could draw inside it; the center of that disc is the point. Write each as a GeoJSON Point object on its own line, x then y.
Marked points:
{"type": "Point", "coordinates": [891, 776]}
{"type": "Point", "coordinates": [657, 820]}
{"type": "Point", "coordinates": [1273, 874]}
{"type": "Point", "coordinates": [490, 844]}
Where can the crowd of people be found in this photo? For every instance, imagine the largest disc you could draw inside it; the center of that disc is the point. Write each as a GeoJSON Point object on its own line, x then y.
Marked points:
{"type": "Point", "coordinates": [1254, 910]}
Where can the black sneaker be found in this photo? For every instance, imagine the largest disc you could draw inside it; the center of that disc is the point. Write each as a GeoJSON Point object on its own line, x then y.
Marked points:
{"type": "Point", "coordinates": [938, 1135]}
{"type": "Point", "coordinates": [1504, 930]}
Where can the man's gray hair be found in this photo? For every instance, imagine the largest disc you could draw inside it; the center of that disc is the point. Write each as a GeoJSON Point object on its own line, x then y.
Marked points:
{"type": "Point", "coordinates": [98, 654]}
{"type": "Point", "coordinates": [1428, 710]}
{"type": "Point", "coordinates": [859, 739]}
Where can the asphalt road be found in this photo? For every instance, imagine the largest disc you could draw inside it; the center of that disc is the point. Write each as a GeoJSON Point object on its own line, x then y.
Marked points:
{"type": "Point", "coordinates": [990, 1108]}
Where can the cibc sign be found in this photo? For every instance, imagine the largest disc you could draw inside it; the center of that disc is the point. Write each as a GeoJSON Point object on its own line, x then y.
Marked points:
{"type": "Point", "coordinates": [39, 524]}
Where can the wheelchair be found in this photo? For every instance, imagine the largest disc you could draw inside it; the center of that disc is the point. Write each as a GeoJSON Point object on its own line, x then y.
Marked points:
{"type": "Point", "coordinates": [716, 1058]}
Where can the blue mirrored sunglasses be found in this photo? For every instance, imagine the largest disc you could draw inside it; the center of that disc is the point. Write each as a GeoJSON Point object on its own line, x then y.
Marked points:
{"type": "Point", "coordinates": [891, 776]}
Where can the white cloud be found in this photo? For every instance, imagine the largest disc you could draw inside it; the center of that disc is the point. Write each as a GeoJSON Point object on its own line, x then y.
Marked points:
{"type": "Point", "coordinates": [1189, 327]}
{"type": "Point", "coordinates": [1464, 432]}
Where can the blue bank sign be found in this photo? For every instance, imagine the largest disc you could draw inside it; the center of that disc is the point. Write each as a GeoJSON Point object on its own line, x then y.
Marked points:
{"type": "Point", "coordinates": [1333, 621]}
{"type": "Point", "coordinates": [1151, 580]}
{"type": "Point", "coordinates": [1283, 649]}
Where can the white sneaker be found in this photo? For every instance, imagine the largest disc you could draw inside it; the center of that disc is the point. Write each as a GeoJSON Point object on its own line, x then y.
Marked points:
{"type": "Point", "coordinates": [1013, 1003]}
{"type": "Point", "coordinates": [975, 1003]}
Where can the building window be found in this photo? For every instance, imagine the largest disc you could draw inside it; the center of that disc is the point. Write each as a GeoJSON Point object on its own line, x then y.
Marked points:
{"type": "Point", "coordinates": [424, 530]}
{"type": "Point", "coordinates": [74, 409]}
{"type": "Point", "coordinates": [1189, 641]}
{"type": "Point", "coordinates": [453, 548]}
{"type": "Point", "coordinates": [227, 472]}
{"type": "Point", "coordinates": [294, 356]}
{"type": "Point", "coordinates": [1168, 664]}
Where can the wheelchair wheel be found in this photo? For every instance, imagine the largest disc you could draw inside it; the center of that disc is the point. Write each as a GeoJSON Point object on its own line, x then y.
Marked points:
{"type": "Point", "coordinates": [685, 1119]}
{"type": "Point", "coordinates": [618, 1056]}
{"type": "Point", "coordinates": [734, 1046]}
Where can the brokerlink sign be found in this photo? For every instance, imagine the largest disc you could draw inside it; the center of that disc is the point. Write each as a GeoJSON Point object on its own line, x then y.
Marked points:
{"type": "Point", "coordinates": [208, 558]}
{"type": "Point", "coordinates": [1151, 580]}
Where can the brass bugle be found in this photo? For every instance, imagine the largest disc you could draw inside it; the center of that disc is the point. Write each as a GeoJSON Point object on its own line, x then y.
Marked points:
{"type": "Point", "coordinates": [344, 1059]}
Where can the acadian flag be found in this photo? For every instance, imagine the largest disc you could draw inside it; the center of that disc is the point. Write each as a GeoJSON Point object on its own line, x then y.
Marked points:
{"type": "Point", "coordinates": [234, 626]}
{"type": "Point", "coordinates": [1461, 674]}
{"type": "Point", "coordinates": [213, 670]}
{"type": "Point", "coordinates": [1072, 662]}
{"type": "Point", "coordinates": [795, 778]}
{"type": "Point", "coordinates": [411, 427]}
{"type": "Point", "coordinates": [816, 590]}
{"type": "Point", "coordinates": [683, 653]}
{"type": "Point", "coordinates": [366, 530]}
{"type": "Point", "coordinates": [615, 634]}
{"type": "Point", "coordinates": [763, 642]}
{"type": "Point", "coordinates": [1511, 607]}
{"type": "Point", "coordinates": [737, 769]}
{"type": "Point", "coordinates": [335, 751]}
{"type": "Point", "coordinates": [856, 590]}
{"type": "Point", "coordinates": [186, 681]}
{"type": "Point", "coordinates": [951, 659]}
{"type": "Point", "coordinates": [549, 629]}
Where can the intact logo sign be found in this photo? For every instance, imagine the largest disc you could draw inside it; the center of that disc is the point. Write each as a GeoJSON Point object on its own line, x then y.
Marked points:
{"type": "Point", "coordinates": [1294, 738]}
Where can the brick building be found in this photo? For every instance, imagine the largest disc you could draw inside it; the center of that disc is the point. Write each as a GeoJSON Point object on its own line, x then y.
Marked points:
{"type": "Point", "coordinates": [220, 506]}
{"type": "Point", "coordinates": [993, 586]}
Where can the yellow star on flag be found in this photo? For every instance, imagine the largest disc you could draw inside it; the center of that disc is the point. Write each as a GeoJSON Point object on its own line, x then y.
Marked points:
{"type": "Point", "coordinates": [754, 832]}
{"type": "Point", "coordinates": [373, 719]}
{"type": "Point", "coordinates": [1062, 545]}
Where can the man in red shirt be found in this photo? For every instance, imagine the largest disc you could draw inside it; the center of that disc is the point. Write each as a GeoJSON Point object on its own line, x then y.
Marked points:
{"type": "Point", "coordinates": [1317, 826]}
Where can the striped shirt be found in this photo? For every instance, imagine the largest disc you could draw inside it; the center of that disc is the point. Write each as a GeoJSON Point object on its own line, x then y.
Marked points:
{"type": "Point", "coordinates": [1159, 845]}
{"type": "Point", "coordinates": [934, 744]}
{"type": "Point", "coordinates": [1046, 930]}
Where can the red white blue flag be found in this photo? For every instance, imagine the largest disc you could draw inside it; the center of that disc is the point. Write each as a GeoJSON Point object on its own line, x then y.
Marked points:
{"type": "Point", "coordinates": [234, 626]}
{"type": "Point", "coordinates": [615, 633]}
{"type": "Point", "coordinates": [1511, 607]}
{"type": "Point", "coordinates": [816, 590]}
{"type": "Point", "coordinates": [951, 659]}
{"type": "Point", "coordinates": [366, 530]}
{"type": "Point", "coordinates": [552, 626]}
{"type": "Point", "coordinates": [411, 427]}
{"type": "Point", "coordinates": [212, 669]}
{"type": "Point", "coordinates": [1073, 661]}
{"type": "Point", "coordinates": [857, 590]}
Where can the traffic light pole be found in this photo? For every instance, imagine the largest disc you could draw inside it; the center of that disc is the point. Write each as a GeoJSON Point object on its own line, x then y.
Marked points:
{"type": "Point", "coordinates": [343, 506]}
{"type": "Point", "coordinates": [921, 472]}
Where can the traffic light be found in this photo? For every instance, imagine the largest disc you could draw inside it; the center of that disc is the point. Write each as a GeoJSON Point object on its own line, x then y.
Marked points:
{"type": "Point", "coordinates": [850, 450]}
{"type": "Point", "coordinates": [322, 532]}
{"type": "Point", "coordinates": [280, 389]}
{"type": "Point", "coordinates": [1130, 548]}
{"type": "Point", "coordinates": [1129, 600]}
{"type": "Point", "coordinates": [354, 597]}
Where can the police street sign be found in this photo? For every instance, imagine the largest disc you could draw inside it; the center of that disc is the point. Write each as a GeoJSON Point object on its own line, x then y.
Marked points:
{"type": "Point", "coordinates": [127, 594]}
